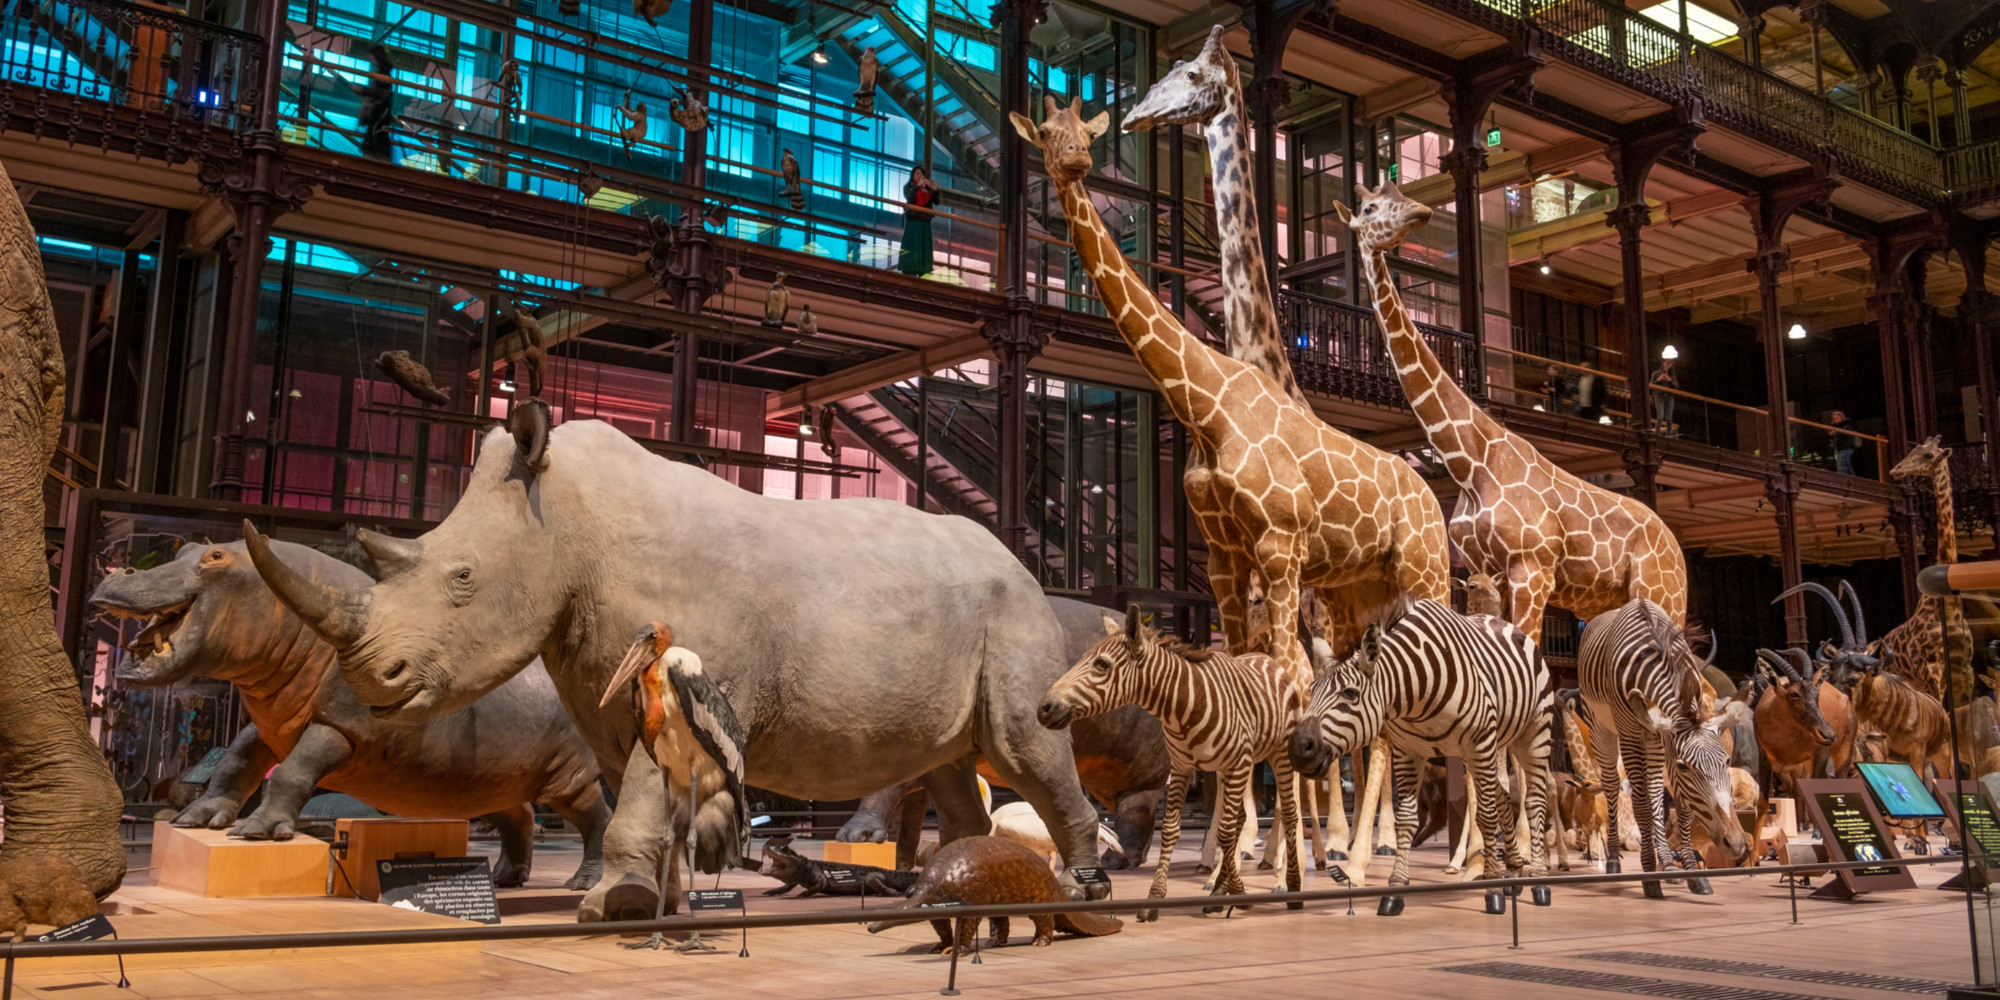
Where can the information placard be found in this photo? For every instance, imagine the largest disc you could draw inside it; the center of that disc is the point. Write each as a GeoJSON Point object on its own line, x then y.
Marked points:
{"type": "Point", "coordinates": [452, 887]}
{"type": "Point", "coordinates": [89, 928]}
{"type": "Point", "coordinates": [705, 900]}
{"type": "Point", "coordinates": [1850, 827]}
{"type": "Point", "coordinates": [842, 877]}
{"type": "Point", "coordinates": [1090, 876]}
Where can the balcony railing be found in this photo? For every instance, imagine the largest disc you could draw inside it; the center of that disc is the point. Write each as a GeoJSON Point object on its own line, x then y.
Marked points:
{"type": "Point", "coordinates": [1339, 349]}
{"type": "Point", "coordinates": [1634, 50]}
{"type": "Point", "coordinates": [172, 73]}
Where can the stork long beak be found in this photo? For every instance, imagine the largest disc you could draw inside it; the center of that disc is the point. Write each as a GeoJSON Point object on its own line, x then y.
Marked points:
{"type": "Point", "coordinates": [641, 656]}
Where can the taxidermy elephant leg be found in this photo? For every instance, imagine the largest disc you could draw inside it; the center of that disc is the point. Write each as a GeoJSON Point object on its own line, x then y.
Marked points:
{"type": "Point", "coordinates": [640, 830]}
{"type": "Point", "coordinates": [242, 769]}
{"type": "Point", "coordinates": [320, 750]}
{"type": "Point", "coordinates": [59, 796]}
{"type": "Point", "coordinates": [587, 811]}
{"type": "Point", "coordinates": [516, 826]}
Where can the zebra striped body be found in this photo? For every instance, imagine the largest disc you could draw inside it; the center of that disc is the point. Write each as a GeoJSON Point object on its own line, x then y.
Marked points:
{"type": "Point", "coordinates": [1641, 683]}
{"type": "Point", "coordinates": [1221, 713]}
{"type": "Point", "coordinates": [1435, 682]}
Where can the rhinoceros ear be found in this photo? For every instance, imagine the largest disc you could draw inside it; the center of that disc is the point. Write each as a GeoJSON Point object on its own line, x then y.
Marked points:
{"type": "Point", "coordinates": [529, 424]}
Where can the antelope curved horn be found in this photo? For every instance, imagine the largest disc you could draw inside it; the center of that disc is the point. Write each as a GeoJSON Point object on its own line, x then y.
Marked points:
{"type": "Point", "coordinates": [1839, 613]}
{"type": "Point", "coordinates": [1710, 661]}
{"type": "Point", "coordinates": [1848, 592]}
{"type": "Point", "coordinates": [1783, 666]}
{"type": "Point", "coordinates": [1806, 669]}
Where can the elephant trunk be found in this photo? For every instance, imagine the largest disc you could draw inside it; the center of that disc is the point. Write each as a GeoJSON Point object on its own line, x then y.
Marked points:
{"type": "Point", "coordinates": [339, 616]}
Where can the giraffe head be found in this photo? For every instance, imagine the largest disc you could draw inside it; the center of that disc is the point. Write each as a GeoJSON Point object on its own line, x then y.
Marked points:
{"type": "Point", "coordinates": [1922, 461]}
{"type": "Point", "coordinates": [1192, 93]}
{"type": "Point", "coordinates": [1383, 217]}
{"type": "Point", "coordinates": [1064, 138]}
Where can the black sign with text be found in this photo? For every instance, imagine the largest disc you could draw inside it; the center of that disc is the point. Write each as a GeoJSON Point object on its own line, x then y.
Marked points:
{"type": "Point", "coordinates": [704, 900]}
{"type": "Point", "coordinates": [89, 928]}
{"type": "Point", "coordinates": [1852, 823]}
{"type": "Point", "coordinates": [452, 887]}
{"type": "Point", "coordinates": [1090, 876]}
{"type": "Point", "coordinates": [842, 877]}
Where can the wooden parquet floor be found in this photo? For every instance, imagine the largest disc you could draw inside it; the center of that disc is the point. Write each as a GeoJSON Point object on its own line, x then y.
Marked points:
{"type": "Point", "coordinates": [1593, 942]}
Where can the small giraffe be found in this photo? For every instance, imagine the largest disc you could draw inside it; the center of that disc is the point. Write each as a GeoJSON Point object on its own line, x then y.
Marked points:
{"type": "Point", "coordinates": [1544, 533]}
{"type": "Point", "coordinates": [1918, 643]}
{"type": "Point", "coordinates": [1278, 493]}
{"type": "Point", "coordinates": [1208, 91]}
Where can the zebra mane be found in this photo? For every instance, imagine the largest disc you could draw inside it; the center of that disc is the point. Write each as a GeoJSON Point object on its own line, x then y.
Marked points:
{"type": "Point", "coordinates": [1177, 646]}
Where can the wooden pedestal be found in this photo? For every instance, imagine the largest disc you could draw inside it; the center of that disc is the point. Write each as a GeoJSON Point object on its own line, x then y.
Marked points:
{"type": "Point", "coordinates": [209, 863]}
{"type": "Point", "coordinates": [879, 855]}
{"type": "Point", "coordinates": [383, 839]}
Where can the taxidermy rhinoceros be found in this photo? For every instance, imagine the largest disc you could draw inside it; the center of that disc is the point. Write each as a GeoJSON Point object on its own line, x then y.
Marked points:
{"type": "Point", "coordinates": [211, 615]}
{"type": "Point", "coordinates": [861, 642]}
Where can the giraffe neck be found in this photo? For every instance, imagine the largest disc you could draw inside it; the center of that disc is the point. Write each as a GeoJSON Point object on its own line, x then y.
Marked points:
{"type": "Point", "coordinates": [1247, 310]}
{"type": "Point", "coordinates": [1947, 533]}
{"type": "Point", "coordinates": [1455, 427]}
{"type": "Point", "coordinates": [1184, 368]}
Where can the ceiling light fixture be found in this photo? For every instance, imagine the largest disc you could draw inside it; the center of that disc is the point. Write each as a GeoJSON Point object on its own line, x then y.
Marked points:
{"type": "Point", "coordinates": [1797, 332]}
{"type": "Point", "coordinates": [1545, 269]}
{"type": "Point", "coordinates": [1670, 352]}
{"type": "Point", "coordinates": [819, 53]}
{"type": "Point", "coordinates": [806, 423]}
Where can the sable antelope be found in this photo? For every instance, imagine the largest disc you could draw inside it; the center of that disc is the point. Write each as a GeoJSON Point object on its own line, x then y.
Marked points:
{"type": "Point", "coordinates": [1914, 726]}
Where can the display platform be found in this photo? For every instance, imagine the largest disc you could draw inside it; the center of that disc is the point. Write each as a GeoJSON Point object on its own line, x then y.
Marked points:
{"type": "Point", "coordinates": [879, 855]}
{"type": "Point", "coordinates": [360, 843]}
{"type": "Point", "coordinates": [210, 863]}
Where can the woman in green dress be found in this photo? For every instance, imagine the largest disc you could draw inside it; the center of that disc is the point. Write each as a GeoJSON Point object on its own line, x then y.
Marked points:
{"type": "Point", "coordinates": [921, 192]}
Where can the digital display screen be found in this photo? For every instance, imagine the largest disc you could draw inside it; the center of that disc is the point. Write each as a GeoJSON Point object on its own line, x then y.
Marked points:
{"type": "Point", "coordinates": [1901, 793]}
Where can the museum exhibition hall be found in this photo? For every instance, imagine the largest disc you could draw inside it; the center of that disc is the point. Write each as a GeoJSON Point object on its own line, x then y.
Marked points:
{"type": "Point", "coordinates": [821, 498]}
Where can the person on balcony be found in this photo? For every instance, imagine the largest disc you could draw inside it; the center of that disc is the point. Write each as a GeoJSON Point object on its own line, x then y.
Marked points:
{"type": "Point", "coordinates": [1663, 402]}
{"type": "Point", "coordinates": [378, 106]}
{"type": "Point", "coordinates": [1845, 442]}
{"type": "Point", "coordinates": [922, 193]}
{"type": "Point", "coordinates": [1557, 386]}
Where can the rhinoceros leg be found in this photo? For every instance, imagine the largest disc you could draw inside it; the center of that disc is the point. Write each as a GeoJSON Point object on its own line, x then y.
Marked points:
{"type": "Point", "coordinates": [241, 771]}
{"type": "Point", "coordinates": [633, 843]}
{"type": "Point", "coordinates": [909, 826]}
{"type": "Point", "coordinates": [954, 789]}
{"type": "Point", "coordinates": [1036, 763]}
{"type": "Point", "coordinates": [320, 750]}
{"type": "Point", "coordinates": [586, 811]}
{"type": "Point", "coordinates": [516, 827]}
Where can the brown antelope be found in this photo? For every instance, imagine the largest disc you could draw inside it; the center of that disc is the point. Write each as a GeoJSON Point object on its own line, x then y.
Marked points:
{"type": "Point", "coordinates": [1913, 724]}
{"type": "Point", "coordinates": [1804, 725]}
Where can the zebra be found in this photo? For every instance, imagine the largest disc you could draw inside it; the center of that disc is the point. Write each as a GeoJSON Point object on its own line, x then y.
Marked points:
{"type": "Point", "coordinates": [1436, 682]}
{"type": "Point", "coordinates": [1642, 685]}
{"type": "Point", "coordinates": [1221, 713]}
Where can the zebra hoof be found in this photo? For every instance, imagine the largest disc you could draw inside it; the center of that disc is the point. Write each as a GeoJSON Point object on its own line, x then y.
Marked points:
{"type": "Point", "coordinates": [1612, 867]}
{"type": "Point", "coordinates": [1496, 902]}
{"type": "Point", "coordinates": [1540, 896]}
{"type": "Point", "coordinates": [1389, 906]}
{"type": "Point", "coordinates": [1700, 886]}
{"type": "Point", "coordinates": [1332, 856]}
{"type": "Point", "coordinates": [1654, 890]}
{"type": "Point", "coordinates": [1384, 851]}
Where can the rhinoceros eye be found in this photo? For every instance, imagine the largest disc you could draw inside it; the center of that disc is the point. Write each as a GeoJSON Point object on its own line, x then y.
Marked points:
{"type": "Point", "coordinates": [458, 586]}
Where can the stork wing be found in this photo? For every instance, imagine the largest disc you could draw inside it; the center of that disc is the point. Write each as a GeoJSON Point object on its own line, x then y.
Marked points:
{"type": "Point", "coordinates": [709, 715]}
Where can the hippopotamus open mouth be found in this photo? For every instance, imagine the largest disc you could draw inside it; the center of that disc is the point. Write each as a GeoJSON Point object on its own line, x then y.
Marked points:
{"type": "Point", "coordinates": [164, 598]}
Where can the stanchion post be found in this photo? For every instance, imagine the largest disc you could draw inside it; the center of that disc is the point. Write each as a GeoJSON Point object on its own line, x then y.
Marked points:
{"type": "Point", "coordinates": [1514, 908]}
{"type": "Point", "coordinates": [7, 980]}
{"type": "Point", "coordinates": [1793, 881]}
{"type": "Point", "coordinates": [951, 978]}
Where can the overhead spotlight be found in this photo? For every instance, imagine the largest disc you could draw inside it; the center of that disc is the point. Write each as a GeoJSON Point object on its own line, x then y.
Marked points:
{"type": "Point", "coordinates": [1606, 421]}
{"type": "Point", "coordinates": [506, 386]}
{"type": "Point", "coordinates": [250, 416]}
{"type": "Point", "coordinates": [1797, 332]}
{"type": "Point", "coordinates": [819, 53]}
{"type": "Point", "coordinates": [806, 424]}
{"type": "Point", "coordinates": [1670, 352]}
{"type": "Point", "coordinates": [1545, 269]}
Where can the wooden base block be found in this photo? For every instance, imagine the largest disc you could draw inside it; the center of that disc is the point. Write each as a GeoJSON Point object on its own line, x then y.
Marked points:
{"type": "Point", "coordinates": [382, 839]}
{"type": "Point", "coordinates": [1786, 813]}
{"type": "Point", "coordinates": [879, 855]}
{"type": "Point", "coordinates": [210, 863]}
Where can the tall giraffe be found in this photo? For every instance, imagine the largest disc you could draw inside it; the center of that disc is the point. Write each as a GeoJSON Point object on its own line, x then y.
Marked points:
{"type": "Point", "coordinates": [1546, 534]}
{"type": "Point", "coordinates": [1277, 493]}
{"type": "Point", "coordinates": [1919, 643]}
{"type": "Point", "coordinates": [1208, 91]}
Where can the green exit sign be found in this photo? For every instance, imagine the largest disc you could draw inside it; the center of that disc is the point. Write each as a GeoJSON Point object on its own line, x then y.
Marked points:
{"type": "Point", "coordinates": [1493, 136]}
{"type": "Point", "coordinates": [1395, 171]}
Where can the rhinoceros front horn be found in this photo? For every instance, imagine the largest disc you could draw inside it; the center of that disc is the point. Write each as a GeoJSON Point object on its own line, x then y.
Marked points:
{"type": "Point", "coordinates": [339, 616]}
{"type": "Point", "coordinates": [390, 555]}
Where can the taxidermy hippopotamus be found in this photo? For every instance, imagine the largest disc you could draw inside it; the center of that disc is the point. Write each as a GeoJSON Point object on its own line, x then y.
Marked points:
{"type": "Point", "coordinates": [862, 642]}
{"type": "Point", "coordinates": [211, 615]}
{"type": "Point", "coordinates": [1121, 757]}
